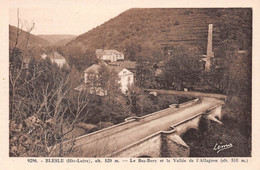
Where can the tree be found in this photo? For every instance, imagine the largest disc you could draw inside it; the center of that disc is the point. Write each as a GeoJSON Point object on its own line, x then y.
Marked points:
{"type": "Point", "coordinates": [233, 72]}
{"type": "Point", "coordinates": [145, 74]}
{"type": "Point", "coordinates": [236, 33]}
{"type": "Point", "coordinates": [182, 67]}
{"type": "Point", "coordinates": [114, 103]}
{"type": "Point", "coordinates": [139, 102]}
{"type": "Point", "coordinates": [132, 51]}
{"type": "Point", "coordinates": [82, 61]}
{"type": "Point", "coordinates": [216, 77]}
{"type": "Point", "coordinates": [41, 112]}
{"type": "Point", "coordinates": [108, 104]}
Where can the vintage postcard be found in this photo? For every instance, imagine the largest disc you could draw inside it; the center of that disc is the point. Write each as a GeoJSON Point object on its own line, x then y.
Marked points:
{"type": "Point", "coordinates": [151, 84]}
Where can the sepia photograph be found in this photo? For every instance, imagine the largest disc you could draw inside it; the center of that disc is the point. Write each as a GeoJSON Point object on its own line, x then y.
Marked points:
{"type": "Point", "coordinates": [130, 82]}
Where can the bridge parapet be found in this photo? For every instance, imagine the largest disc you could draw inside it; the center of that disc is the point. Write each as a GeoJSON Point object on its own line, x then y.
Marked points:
{"type": "Point", "coordinates": [132, 121]}
{"type": "Point", "coordinates": [189, 93]}
{"type": "Point", "coordinates": [186, 104]}
{"type": "Point", "coordinates": [213, 113]}
{"type": "Point", "coordinates": [170, 142]}
{"type": "Point", "coordinates": [145, 133]}
{"type": "Point", "coordinates": [172, 107]}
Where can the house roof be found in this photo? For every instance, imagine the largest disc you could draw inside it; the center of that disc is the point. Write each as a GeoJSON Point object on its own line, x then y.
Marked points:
{"type": "Point", "coordinates": [110, 52]}
{"type": "Point", "coordinates": [55, 55]}
{"type": "Point", "coordinates": [93, 68]}
{"type": "Point", "coordinates": [117, 69]}
{"type": "Point", "coordinates": [125, 64]}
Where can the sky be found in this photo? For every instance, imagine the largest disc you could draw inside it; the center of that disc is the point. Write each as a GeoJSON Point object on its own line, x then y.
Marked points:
{"type": "Point", "coordinates": [64, 18]}
{"type": "Point", "coordinates": [72, 16]}
{"type": "Point", "coordinates": [79, 16]}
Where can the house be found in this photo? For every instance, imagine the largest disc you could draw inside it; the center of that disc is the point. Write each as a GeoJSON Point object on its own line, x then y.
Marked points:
{"type": "Point", "coordinates": [109, 55]}
{"type": "Point", "coordinates": [92, 70]}
{"type": "Point", "coordinates": [43, 56]}
{"type": "Point", "coordinates": [55, 57]}
{"type": "Point", "coordinates": [126, 78]}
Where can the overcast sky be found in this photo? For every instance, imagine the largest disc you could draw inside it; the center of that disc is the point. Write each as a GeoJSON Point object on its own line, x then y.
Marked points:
{"type": "Point", "coordinates": [72, 16]}
{"type": "Point", "coordinates": [65, 17]}
{"type": "Point", "coordinates": [79, 16]}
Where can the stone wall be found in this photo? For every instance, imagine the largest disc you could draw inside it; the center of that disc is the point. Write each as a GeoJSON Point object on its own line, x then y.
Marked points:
{"type": "Point", "coordinates": [150, 146]}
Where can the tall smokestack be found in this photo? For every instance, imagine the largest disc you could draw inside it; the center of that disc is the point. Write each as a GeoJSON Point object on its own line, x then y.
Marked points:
{"type": "Point", "coordinates": [209, 46]}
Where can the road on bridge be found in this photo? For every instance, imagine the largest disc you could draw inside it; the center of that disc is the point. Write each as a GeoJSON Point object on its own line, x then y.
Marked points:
{"type": "Point", "coordinates": [189, 93]}
{"type": "Point", "coordinates": [108, 141]}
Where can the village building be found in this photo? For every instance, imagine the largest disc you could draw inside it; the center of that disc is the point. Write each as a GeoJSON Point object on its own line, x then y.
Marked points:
{"type": "Point", "coordinates": [126, 78]}
{"type": "Point", "coordinates": [109, 55]}
{"type": "Point", "coordinates": [55, 57]}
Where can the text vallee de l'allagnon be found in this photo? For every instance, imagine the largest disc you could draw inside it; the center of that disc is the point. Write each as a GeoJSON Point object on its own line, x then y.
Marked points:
{"type": "Point", "coordinates": [138, 160]}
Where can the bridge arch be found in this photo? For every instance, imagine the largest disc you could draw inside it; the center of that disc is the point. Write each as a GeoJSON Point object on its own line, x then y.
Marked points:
{"type": "Point", "coordinates": [192, 138]}
{"type": "Point", "coordinates": [185, 126]}
{"type": "Point", "coordinates": [217, 117]}
{"type": "Point", "coordinates": [216, 112]}
{"type": "Point", "coordinates": [203, 125]}
{"type": "Point", "coordinates": [190, 134]}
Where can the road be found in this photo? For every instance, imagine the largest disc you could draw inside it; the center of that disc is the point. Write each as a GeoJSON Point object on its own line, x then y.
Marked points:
{"type": "Point", "coordinates": [189, 93]}
{"type": "Point", "coordinates": [108, 141]}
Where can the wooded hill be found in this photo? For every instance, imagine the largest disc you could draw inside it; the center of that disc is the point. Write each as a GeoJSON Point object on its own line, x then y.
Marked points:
{"type": "Point", "coordinates": [148, 29]}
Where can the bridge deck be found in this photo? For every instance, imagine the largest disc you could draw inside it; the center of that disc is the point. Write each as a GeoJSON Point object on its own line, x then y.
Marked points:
{"type": "Point", "coordinates": [189, 93]}
{"type": "Point", "coordinates": [110, 140]}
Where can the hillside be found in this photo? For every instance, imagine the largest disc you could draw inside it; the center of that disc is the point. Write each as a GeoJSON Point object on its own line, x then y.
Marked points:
{"type": "Point", "coordinates": [64, 42]}
{"type": "Point", "coordinates": [156, 28]}
{"type": "Point", "coordinates": [34, 41]}
{"type": "Point", "coordinates": [53, 39]}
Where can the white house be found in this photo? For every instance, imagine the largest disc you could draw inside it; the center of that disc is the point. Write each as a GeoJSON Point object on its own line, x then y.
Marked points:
{"type": "Point", "coordinates": [55, 57]}
{"type": "Point", "coordinates": [43, 56]}
{"type": "Point", "coordinates": [109, 55]}
{"type": "Point", "coordinates": [126, 77]}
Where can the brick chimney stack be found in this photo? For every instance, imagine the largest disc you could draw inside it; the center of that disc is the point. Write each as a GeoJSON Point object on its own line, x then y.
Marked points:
{"type": "Point", "coordinates": [209, 45]}
{"type": "Point", "coordinates": [210, 53]}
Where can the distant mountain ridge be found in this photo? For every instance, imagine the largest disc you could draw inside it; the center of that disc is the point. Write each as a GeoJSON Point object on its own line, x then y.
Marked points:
{"type": "Point", "coordinates": [58, 38]}
{"type": "Point", "coordinates": [64, 42]}
{"type": "Point", "coordinates": [33, 39]}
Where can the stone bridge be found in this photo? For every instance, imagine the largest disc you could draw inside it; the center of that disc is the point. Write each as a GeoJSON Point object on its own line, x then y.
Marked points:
{"type": "Point", "coordinates": [154, 135]}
